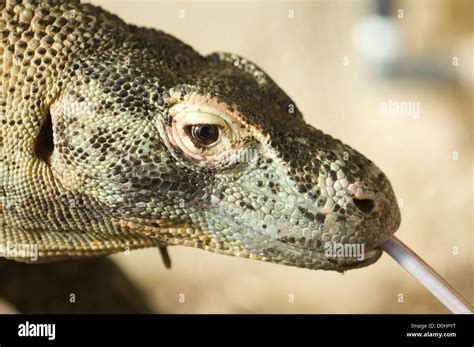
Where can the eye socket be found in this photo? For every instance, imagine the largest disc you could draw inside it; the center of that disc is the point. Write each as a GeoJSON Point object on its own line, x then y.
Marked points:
{"type": "Point", "coordinates": [206, 132]}
{"type": "Point", "coordinates": [205, 135]}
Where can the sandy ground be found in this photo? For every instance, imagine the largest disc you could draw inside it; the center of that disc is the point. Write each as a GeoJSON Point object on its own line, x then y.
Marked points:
{"type": "Point", "coordinates": [305, 56]}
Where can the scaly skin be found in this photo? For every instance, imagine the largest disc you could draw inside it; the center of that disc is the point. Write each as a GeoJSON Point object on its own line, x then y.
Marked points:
{"type": "Point", "coordinates": [98, 152]}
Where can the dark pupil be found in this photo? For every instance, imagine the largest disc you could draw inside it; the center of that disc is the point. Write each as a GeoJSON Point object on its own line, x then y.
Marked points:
{"type": "Point", "coordinates": [205, 134]}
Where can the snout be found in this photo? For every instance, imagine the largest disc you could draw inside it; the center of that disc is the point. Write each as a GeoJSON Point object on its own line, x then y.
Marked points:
{"type": "Point", "coordinates": [370, 203]}
{"type": "Point", "coordinates": [377, 208]}
{"type": "Point", "coordinates": [350, 206]}
{"type": "Point", "coordinates": [368, 219]}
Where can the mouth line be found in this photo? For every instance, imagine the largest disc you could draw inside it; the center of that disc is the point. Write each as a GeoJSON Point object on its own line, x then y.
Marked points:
{"type": "Point", "coordinates": [347, 263]}
{"type": "Point", "coordinates": [367, 256]}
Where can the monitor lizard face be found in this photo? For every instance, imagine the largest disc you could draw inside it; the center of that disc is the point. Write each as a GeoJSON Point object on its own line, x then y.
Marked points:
{"type": "Point", "coordinates": [219, 158]}
{"type": "Point", "coordinates": [147, 142]}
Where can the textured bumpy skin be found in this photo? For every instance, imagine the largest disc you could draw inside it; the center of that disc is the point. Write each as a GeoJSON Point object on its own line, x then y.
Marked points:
{"type": "Point", "coordinates": [89, 165]}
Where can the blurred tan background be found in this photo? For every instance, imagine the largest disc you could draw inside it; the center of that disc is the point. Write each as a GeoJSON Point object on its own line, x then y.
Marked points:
{"type": "Point", "coordinates": [322, 54]}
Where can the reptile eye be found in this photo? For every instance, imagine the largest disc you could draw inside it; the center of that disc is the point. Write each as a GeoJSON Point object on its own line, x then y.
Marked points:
{"type": "Point", "coordinates": [204, 134]}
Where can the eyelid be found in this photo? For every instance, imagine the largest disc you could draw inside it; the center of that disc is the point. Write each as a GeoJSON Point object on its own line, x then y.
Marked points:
{"type": "Point", "coordinates": [202, 114]}
{"type": "Point", "coordinates": [185, 115]}
{"type": "Point", "coordinates": [179, 108]}
{"type": "Point", "coordinates": [194, 118]}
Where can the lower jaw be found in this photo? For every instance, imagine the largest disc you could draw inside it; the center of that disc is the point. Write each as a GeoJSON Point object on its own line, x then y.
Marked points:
{"type": "Point", "coordinates": [349, 263]}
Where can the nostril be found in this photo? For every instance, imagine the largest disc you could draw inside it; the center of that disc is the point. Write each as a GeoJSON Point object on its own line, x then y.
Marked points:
{"type": "Point", "coordinates": [365, 205]}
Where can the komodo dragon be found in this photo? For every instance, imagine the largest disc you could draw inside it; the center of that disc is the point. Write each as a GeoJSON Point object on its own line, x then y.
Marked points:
{"type": "Point", "coordinates": [119, 137]}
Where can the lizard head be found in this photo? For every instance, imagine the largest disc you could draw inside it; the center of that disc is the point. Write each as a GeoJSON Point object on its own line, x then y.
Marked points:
{"type": "Point", "coordinates": [276, 188]}
{"type": "Point", "coordinates": [174, 148]}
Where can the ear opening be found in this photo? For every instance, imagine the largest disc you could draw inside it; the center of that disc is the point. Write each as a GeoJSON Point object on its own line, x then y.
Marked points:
{"type": "Point", "coordinates": [44, 146]}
